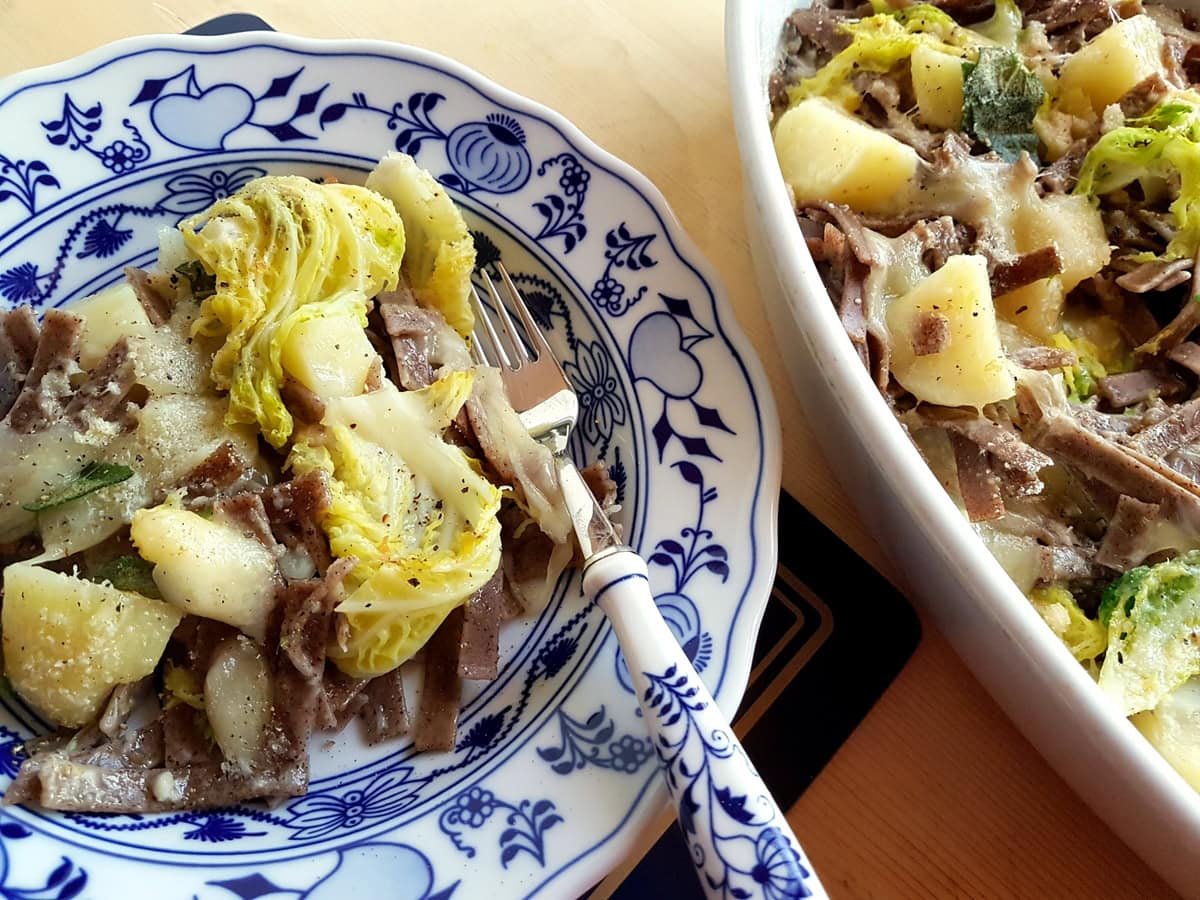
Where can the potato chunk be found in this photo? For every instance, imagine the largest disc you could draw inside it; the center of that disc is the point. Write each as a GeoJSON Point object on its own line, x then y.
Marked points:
{"type": "Point", "coordinates": [69, 642]}
{"type": "Point", "coordinates": [1074, 227]}
{"type": "Point", "coordinates": [108, 316]}
{"type": "Point", "coordinates": [1105, 68]}
{"type": "Point", "coordinates": [827, 154]}
{"type": "Point", "coordinates": [237, 700]}
{"type": "Point", "coordinates": [171, 361]}
{"type": "Point", "coordinates": [34, 464]}
{"type": "Point", "coordinates": [207, 567]}
{"type": "Point", "coordinates": [968, 366]}
{"type": "Point", "coordinates": [1070, 224]}
{"type": "Point", "coordinates": [330, 355]}
{"type": "Point", "coordinates": [1173, 727]}
{"type": "Point", "coordinates": [937, 80]}
{"type": "Point", "coordinates": [1036, 308]}
{"type": "Point", "coordinates": [174, 434]}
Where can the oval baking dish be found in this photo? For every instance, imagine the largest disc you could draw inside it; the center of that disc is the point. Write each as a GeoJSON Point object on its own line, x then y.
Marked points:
{"type": "Point", "coordinates": [947, 568]}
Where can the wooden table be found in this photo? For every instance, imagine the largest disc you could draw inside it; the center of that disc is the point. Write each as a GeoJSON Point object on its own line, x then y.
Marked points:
{"type": "Point", "coordinates": [936, 794]}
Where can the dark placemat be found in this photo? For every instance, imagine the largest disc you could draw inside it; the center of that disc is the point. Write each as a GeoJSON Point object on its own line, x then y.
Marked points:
{"type": "Point", "coordinates": [834, 636]}
{"type": "Point", "coordinates": [231, 23]}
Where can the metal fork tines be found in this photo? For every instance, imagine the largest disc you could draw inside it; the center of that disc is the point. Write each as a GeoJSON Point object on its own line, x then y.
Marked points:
{"type": "Point", "coordinates": [539, 391]}
{"type": "Point", "coordinates": [536, 386]}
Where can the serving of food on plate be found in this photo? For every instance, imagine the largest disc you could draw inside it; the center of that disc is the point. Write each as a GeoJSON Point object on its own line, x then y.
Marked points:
{"type": "Point", "coordinates": [242, 489]}
{"type": "Point", "coordinates": [291, 595]}
{"type": "Point", "coordinates": [1002, 202]}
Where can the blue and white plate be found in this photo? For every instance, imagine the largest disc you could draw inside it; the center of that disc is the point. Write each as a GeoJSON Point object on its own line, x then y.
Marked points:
{"type": "Point", "coordinates": [552, 775]}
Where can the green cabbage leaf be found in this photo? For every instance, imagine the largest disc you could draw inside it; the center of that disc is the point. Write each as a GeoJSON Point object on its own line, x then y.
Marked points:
{"type": "Point", "coordinates": [1153, 618]}
{"type": "Point", "coordinates": [1157, 150]}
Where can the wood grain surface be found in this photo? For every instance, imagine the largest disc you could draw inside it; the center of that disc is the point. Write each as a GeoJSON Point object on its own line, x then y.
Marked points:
{"type": "Point", "coordinates": [936, 794]}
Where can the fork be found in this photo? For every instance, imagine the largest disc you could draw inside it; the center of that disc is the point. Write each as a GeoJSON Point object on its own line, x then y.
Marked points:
{"type": "Point", "coordinates": [737, 836]}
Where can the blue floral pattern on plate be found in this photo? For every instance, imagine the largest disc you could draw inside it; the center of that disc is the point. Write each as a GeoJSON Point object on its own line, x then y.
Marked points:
{"type": "Point", "coordinates": [97, 157]}
{"type": "Point", "coordinates": [64, 881]}
{"type": "Point", "coordinates": [737, 850]}
{"type": "Point", "coordinates": [20, 180]}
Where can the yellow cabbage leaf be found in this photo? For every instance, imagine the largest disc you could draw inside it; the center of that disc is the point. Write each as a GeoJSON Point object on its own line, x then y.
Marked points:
{"type": "Point", "coordinates": [277, 245]}
{"type": "Point", "coordinates": [1085, 638]}
{"type": "Point", "coordinates": [441, 252]}
{"type": "Point", "coordinates": [415, 512]}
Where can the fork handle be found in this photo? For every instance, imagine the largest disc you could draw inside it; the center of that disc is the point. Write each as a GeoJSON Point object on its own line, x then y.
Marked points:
{"type": "Point", "coordinates": [738, 838]}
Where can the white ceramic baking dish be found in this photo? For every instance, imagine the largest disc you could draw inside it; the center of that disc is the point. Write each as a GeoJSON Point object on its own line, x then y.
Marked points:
{"type": "Point", "coordinates": [947, 568]}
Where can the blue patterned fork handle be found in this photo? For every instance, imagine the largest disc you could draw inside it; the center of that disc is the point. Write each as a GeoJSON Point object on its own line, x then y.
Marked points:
{"type": "Point", "coordinates": [737, 836]}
